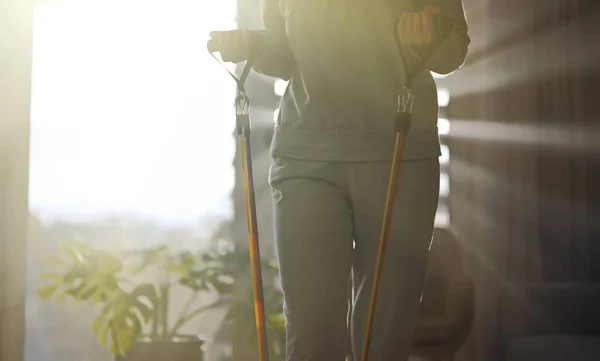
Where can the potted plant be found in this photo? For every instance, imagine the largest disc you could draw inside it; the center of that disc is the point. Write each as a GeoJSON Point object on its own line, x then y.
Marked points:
{"type": "Point", "coordinates": [239, 326]}
{"type": "Point", "coordinates": [134, 293]}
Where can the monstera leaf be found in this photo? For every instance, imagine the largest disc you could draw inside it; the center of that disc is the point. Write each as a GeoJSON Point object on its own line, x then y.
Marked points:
{"type": "Point", "coordinates": [240, 322]}
{"type": "Point", "coordinates": [119, 324]}
{"type": "Point", "coordinates": [92, 275]}
{"type": "Point", "coordinates": [239, 319]}
{"type": "Point", "coordinates": [149, 257]}
{"type": "Point", "coordinates": [87, 274]}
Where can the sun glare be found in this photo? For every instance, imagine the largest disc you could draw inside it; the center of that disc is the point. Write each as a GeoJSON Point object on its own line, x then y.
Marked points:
{"type": "Point", "coordinates": [129, 112]}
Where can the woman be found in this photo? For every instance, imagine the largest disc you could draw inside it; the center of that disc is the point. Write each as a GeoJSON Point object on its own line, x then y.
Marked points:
{"type": "Point", "coordinates": [332, 152]}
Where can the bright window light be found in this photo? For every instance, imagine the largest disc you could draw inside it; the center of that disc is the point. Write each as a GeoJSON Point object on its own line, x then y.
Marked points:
{"type": "Point", "coordinates": [444, 185]}
{"type": "Point", "coordinates": [443, 126]}
{"type": "Point", "coordinates": [443, 97]}
{"type": "Point", "coordinates": [275, 115]}
{"type": "Point", "coordinates": [280, 87]}
{"type": "Point", "coordinates": [130, 114]}
{"type": "Point", "coordinates": [445, 158]}
{"type": "Point", "coordinates": [442, 218]}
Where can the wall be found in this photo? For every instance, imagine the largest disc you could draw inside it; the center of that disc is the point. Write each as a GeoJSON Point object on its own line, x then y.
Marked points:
{"type": "Point", "coordinates": [15, 76]}
{"type": "Point", "coordinates": [524, 157]}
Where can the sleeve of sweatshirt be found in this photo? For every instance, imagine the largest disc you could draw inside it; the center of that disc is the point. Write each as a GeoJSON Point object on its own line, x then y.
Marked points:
{"type": "Point", "coordinates": [452, 53]}
{"type": "Point", "coordinates": [276, 57]}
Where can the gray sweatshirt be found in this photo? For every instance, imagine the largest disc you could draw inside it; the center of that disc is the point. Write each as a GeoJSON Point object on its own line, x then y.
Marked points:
{"type": "Point", "coordinates": [345, 73]}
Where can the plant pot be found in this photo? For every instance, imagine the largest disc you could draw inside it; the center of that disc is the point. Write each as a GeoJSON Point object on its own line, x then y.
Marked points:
{"type": "Point", "coordinates": [181, 348]}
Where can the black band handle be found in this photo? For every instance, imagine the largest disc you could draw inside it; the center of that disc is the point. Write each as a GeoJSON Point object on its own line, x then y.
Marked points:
{"type": "Point", "coordinates": [445, 27]}
{"type": "Point", "coordinates": [212, 48]}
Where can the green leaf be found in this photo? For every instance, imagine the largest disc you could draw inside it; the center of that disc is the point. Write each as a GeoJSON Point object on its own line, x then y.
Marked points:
{"type": "Point", "coordinates": [145, 311]}
{"type": "Point", "coordinates": [187, 259]}
{"type": "Point", "coordinates": [61, 297]}
{"type": "Point", "coordinates": [136, 328]}
{"type": "Point", "coordinates": [102, 334]}
{"type": "Point", "coordinates": [223, 287]}
{"type": "Point", "coordinates": [179, 269]}
{"type": "Point", "coordinates": [150, 256]}
{"type": "Point", "coordinates": [125, 331]}
{"type": "Point", "coordinates": [46, 292]}
{"type": "Point", "coordinates": [74, 249]}
{"type": "Point", "coordinates": [207, 257]}
{"type": "Point", "coordinates": [77, 271]}
{"type": "Point", "coordinates": [95, 288]}
{"type": "Point", "coordinates": [145, 290]}
{"type": "Point", "coordinates": [99, 297]}
{"type": "Point", "coordinates": [148, 292]}
{"type": "Point", "coordinates": [86, 290]}
{"type": "Point", "coordinates": [118, 325]}
{"type": "Point", "coordinates": [113, 345]}
{"type": "Point", "coordinates": [52, 276]}
{"type": "Point", "coordinates": [106, 263]}
{"type": "Point", "coordinates": [186, 318]}
{"type": "Point", "coordinates": [98, 323]}
{"type": "Point", "coordinates": [57, 260]}
{"type": "Point", "coordinates": [195, 285]}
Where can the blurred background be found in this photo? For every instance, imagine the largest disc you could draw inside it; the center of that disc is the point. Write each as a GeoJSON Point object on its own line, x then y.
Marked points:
{"type": "Point", "coordinates": [117, 129]}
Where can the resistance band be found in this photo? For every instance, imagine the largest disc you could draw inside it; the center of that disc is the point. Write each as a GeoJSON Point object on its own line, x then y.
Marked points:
{"type": "Point", "coordinates": [243, 129]}
{"type": "Point", "coordinates": [402, 127]}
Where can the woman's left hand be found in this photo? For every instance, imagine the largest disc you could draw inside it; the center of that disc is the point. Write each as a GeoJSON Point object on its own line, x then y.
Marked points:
{"type": "Point", "coordinates": [419, 28]}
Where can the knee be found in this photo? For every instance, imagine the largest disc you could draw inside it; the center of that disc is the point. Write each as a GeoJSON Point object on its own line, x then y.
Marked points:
{"type": "Point", "coordinates": [316, 333]}
{"type": "Point", "coordinates": [316, 314]}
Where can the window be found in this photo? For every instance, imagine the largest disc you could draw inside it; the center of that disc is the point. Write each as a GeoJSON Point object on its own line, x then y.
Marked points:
{"type": "Point", "coordinates": [442, 218]}
{"type": "Point", "coordinates": [131, 141]}
{"type": "Point", "coordinates": [130, 117]}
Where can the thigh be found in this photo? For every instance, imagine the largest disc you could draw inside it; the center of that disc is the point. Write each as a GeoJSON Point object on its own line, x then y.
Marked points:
{"type": "Point", "coordinates": [405, 262]}
{"type": "Point", "coordinates": [413, 215]}
{"type": "Point", "coordinates": [313, 235]}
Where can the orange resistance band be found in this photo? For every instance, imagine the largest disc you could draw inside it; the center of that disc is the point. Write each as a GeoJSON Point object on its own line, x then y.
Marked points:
{"type": "Point", "coordinates": [254, 261]}
{"type": "Point", "coordinates": [389, 209]}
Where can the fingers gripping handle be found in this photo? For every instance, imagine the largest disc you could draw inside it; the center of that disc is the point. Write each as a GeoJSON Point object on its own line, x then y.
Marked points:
{"type": "Point", "coordinates": [242, 103]}
{"type": "Point", "coordinates": [444, 26]}
{"type": "Point", "coordinates": [246, 45]}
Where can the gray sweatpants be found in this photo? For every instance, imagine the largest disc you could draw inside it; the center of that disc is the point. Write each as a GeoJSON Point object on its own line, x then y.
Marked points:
{"type": "Point", "coordinates": [320, 209]}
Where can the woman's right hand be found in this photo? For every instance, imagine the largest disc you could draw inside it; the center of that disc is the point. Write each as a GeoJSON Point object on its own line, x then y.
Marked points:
{"type": "Point", "coordinates": [235, 45]}
{"type": "Point", "coordinates": [420, 28]}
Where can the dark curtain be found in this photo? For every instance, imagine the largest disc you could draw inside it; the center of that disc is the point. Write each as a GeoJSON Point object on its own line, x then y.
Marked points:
{"type": "Point", "coordinates": [524, 151]}
{"type": "Point", "coordinates": [16, 18]}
